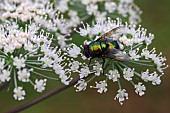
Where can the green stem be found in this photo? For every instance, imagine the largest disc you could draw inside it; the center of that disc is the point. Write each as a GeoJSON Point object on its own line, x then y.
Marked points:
{"type": "Point", "coordinates": [36, 63]}
{"type": "Point", "coordinates": [44, 75]}
{"type": "Point", "coordinates": [118, 81]}
{"type": "Point", "coordinates": [15, 78]}
{"type": "Point", "coordinates": [135, 62]}
{"type": "Point", "coordinates": [42, 69]}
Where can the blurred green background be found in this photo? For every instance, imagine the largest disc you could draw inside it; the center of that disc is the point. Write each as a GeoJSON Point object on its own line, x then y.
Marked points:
{"type": "Point", "coordinates": [156, 18]}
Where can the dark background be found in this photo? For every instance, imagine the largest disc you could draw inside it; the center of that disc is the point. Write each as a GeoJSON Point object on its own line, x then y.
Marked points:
{"type": "Point", "coordinates": [156, 18]}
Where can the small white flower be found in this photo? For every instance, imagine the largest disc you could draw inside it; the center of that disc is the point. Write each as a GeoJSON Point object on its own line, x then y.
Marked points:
{"type": "Point", "coordinates": [128, 73]}
{"type": "Point", "coordinates": [159, 61]}
{"type": "Point", "coordinates": [133, 54]}
{"type": "Point", "coordinates": [2, 63]}
{"type": "Point", "coordinates": [19, 62]}
{"type": "Point", "coordinates": [75, 66]}
{"type": "Point", "coordinates": [85, 2]}
{"type": "Point", "coordinates": [155, 78]}
{"type": "Point", "coordinates": [97, 68]}
{"type": "Point", "coordinates": [74, 52]}
{"type": "Point", "coordinates": [84, 72]}
{"type": "Point", "coordinates": [91, 9]}
{"type": "Point", "coordinates": [139, 89]}
{"type": "Point", "coordinates": [81, 85]}
{"type": "Point", "coordinates": [113, 75]}
{"type": "Point", "coordinates": [146, 53]}
{"type": "Point", "coordinates": [149, 39]}
{"type": "Point", "coordinates": [29, 46]}
{"type": "Point", "coordinates": [101, 86]}
{"type": "Point", "coordinates": [5, 75]}
{"type": "Point", "coordinates": [57, 68]}
{"type": "Point", "coordinates": [63, 6]}
{"type": "Point", "coordinates": [84, 31]}
{"type": "Point", "coordinates": [62, 41]}
{"type": "Point", "coordinates": [122, 95]}
{"type": "Point", "coordinates": [145, 75]}
{"type": "Point", "coordinates": [100, 17]}
{"type": "Point", "coordinates": [23, 75]}
{"type": "Point", "coordinates": [64, 78]}
{"type": "Point", "coordinates": [47, 61]}
{"type": "Point", "coordinates": [40, 85]}
{"type": "Point", "coordinates": [19, 93]}
{"type": "Point", "coordinates": [110, 6]}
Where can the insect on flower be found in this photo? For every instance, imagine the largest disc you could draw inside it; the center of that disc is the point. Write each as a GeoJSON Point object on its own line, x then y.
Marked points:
{"type": "Point", "coordinates": [105, 47]}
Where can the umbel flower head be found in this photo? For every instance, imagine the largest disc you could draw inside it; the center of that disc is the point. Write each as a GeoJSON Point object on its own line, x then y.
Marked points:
{"type": "Point", "coordinates": [43, 13]}
{"type": "Point", "coordinates": [143, 65]}
{"type": "Point", "coordinates": [100, 9]}
{"type": "Point", "coordinates": [26, 55]}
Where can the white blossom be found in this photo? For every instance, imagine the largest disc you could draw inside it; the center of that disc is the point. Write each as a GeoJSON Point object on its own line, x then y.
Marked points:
{"type": "Point", "coordinates": [145, 75]}
{"type": "Point", "coordinates": [146, 53]}
{"type": "Point", "coordinates": [19, 62]}
{"type": "Point", "coordinates": [133, 54]}
{"type": "Point", "coordinates": [5, 75]}
{"type": "Point", "coordinates": [63, 6]}
{"type": "Point", "coordinates": [128, 73]}
{"type": "Point", "coordinates": [122, 95]}
{"type": "Point", "coordinates": [64, 78]}
{"type": "Point", "coordinates": [19, 93]}
{"type": "Point", "coordinates": [84, 72]}
{"type": "Point", "coordinates": [91, 9]}
{"type": "Point", "coordinates": [97, 68]}
{"type": "Point", "coordinates": [75, 65]}
{"type": "Point", "coordinates": [139, 89]}
{"type": "Point", "coordinates": [100, 17]}
{"type": "Point", "coordinates": [101, 86]}
{"type": "Point", "coordinates": [74, 52]}
{"type": "Point", "coordinates": [110, 6]}
{"type": "Point", "coordinates": [155, 78]}
{"type": "Point", "coordinates": [113, 75]}
{"type": "Point", "coordinates": [47, 61]}
{"type": "Point", "coordinates": [86, 2]}
{"type": "Point", "coordinates": [159, 61]}
{"type": "Point", "coordinates": [81, 85]}
{"type": "Point", "coordinates": [40, 85]}
{"type": "Point", "coordinates": [2, 63]}
{"type": "Point", "coordinates": [23, 75]}
{"type": "Point", "coordinates": [57, 68]}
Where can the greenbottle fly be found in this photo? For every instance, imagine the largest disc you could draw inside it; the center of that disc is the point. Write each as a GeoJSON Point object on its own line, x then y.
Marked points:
{"type": "Point", "coordinates": [105, 47]}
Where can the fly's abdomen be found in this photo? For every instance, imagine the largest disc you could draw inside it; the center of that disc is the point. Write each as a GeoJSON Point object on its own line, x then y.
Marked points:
{"type": "Point", "coordinates": [113, 44]}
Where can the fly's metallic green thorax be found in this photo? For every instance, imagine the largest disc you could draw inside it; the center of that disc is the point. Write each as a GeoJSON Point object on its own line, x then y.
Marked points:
{"type": "Point", "coordinates": [96, 48]}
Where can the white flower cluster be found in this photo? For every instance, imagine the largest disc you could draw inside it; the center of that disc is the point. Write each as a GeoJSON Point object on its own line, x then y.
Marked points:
{"type": "Point", "coordinates": [42, 13]}
{"type": "Point", "coordinates": [124, 8]}
{"type": "Point", "coordinates": [24, 51]}
{"type": "Point", "coordinates": [134, 42]}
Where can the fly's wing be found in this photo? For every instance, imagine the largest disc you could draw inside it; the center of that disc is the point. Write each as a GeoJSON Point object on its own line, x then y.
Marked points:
{"type": "Point", "coordinates": [109, 34]}
{"type": "Point", "coordinates": [116, 54]}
